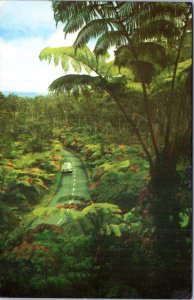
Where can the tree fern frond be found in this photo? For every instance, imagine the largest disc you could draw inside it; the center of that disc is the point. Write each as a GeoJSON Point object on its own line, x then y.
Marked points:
{"type": "Point", "coordinates": [152, 52]}
{"type": "Point", "coordinates": [143, 70]}
{"type": "Point", "coordinates": [108, 69]}
{"type": "Point", "coordinates": [158, 29]}
{"type": "Point", "coordinates": [79, 20]}
{"type": "Point", "coordinates": [127, 9]}
{"type": "Point", "coordinates": [69, 82]}
{"type": "Point", "coordinates": [78, 13]}
{"type": "Point", "coordinates": [66, 10]}
{"type": "Point", "coordinates": [109, 39]}
{"type": "Point", "coordinates": [160, 9]}
{"type": "Point", "coordinates": [93, 30]}
{"type": "Point", "coordinates": [65, 63]}
{"type": "Point", "coordinates": [123, 55]}
{"type": "Point", "coordinates": [186, 51]}
{"type": "Point", "coordinates": [83, 58]}
{"type": "Point", "coordinates": [77, 67]}
{"type": "Point", "coordinates": [163, 79]}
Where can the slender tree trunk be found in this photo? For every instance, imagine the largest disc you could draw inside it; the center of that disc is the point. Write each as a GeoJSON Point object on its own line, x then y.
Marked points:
{"type": "Point", "coordinates": [171, 100]}
{"type": "Point", "coordinates": [150, 121]}
{"type": "Point", "coordinates": [135, 128]}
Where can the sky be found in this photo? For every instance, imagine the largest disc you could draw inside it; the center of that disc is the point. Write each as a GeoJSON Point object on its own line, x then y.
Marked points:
{"type": "Point", "coordinates": [27, 27]}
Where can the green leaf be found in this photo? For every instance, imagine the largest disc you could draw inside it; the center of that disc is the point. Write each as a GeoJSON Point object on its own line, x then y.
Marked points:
{"type": "Point", "coordinates": [124, 164]}
{"type": "Point", "coordinates": [93, 29]}
{"type": "Point", "coordinates": [185, 217]}
{"type": "Point", "coordinates": [108, 39]}
{"type": "Point", "coordinates": [115, 229]}
{"type": "Point", "coordinates": [72, 81]}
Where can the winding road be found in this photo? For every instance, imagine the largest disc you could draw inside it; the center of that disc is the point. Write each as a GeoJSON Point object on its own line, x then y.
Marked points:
{"type": "Point", "coordinates": [71, 186]}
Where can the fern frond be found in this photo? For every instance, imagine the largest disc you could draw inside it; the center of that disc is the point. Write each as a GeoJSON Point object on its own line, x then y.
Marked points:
{"type": "Point", "coordinates": [66, 56]}
{"type": "Point", "coordinates": [152, 52]}
{"type": "Point", "coordinates": [163, 79]}
{"type": "Point", "coordinates": [127, 9]}
{"type": "Point", "coordinates": [82, 59]}
{"type": "Point", "coordinates": [146, 51]}
{"type": "Point", "coordinates": [186, 51]}
{"type": "Point", "coordinates": [160, 9]}
{"type": "Point", "coordinates": [79, 19]}
{"type": "Point", "coordinates": [93, 29]}
{"type": "Point", "coordinates": [71, 81]}
{"type": "Point", "coordinates": [66, 10]}
{"type": "Point", "coordinates": [123, 55]}
{"type": "Point", "coordinates": [108, 39]}
{"type": "Point", "coordinates": [142, 69]}
{"type": "Point", "coordinates": [157, 29]}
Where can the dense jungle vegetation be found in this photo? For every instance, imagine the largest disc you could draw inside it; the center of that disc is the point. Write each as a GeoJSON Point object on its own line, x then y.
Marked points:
{"type": "Point", "coordinates": [128, 118]}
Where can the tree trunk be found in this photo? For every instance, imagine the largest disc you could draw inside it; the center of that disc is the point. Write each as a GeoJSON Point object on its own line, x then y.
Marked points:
{"type": "Point", "coordinates": [164, 186]}
{"type": "Point", "coordinates": [171, 251]}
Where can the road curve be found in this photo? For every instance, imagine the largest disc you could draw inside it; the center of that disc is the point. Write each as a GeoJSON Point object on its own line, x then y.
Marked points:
{"type": "Point", "coordinates": [71, 185]}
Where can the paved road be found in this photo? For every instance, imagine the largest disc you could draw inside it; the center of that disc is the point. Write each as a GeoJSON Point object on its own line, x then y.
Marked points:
{"type": "Point", "coordinates": [71, 186]}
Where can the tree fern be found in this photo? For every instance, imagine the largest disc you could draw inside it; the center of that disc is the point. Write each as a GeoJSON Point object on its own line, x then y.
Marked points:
{"type": "Point", "coordinates": [104, 207]}
{"type": "Point", "coordinates": [79, 20]}
{"type": "Point", "coordinates": [168, 10]}
{"type": "Point", "coordinates": [142, 69]}
{"type": "Point", "coordinates": [81, 60]}
{"type": "Point", "coordinates": [127, 9]}
{"type": "Point", "coordinates": [157, 29]}
{"type": "Point", "coordinates": [93, 30]}
{"type": "Point", "coordinates": [66, 57]}
{"type": "Point", "coordinates": [163, 80]}
{"type": "Point", "coordinates": [142, 59]}
{"type": "Point", "coordinates": [151, 52]}
{"type": "Point", "coordinates": [73, 81]}
{"type": "Point", "coordinates": [65, 10]}
{"type": "Point", "coordinates": [108, 39]}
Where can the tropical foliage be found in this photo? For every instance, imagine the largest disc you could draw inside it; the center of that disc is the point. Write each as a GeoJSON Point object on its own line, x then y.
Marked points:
{"type": "Point", "coordinates": [127, 117]}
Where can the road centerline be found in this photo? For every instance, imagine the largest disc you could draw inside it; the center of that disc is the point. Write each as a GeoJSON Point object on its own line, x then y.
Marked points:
{"type": "Point", "coordinates": [60, 221]}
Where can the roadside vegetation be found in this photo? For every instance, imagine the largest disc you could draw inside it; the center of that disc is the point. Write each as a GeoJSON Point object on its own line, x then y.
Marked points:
{"type": "Point", "coordinates": [130, 124]}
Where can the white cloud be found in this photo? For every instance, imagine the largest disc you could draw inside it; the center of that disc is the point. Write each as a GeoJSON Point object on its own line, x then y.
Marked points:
{"type": "Point", "coordinates": [20, 67]}
{"type": "Point", "coordinates": [58, 40]}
